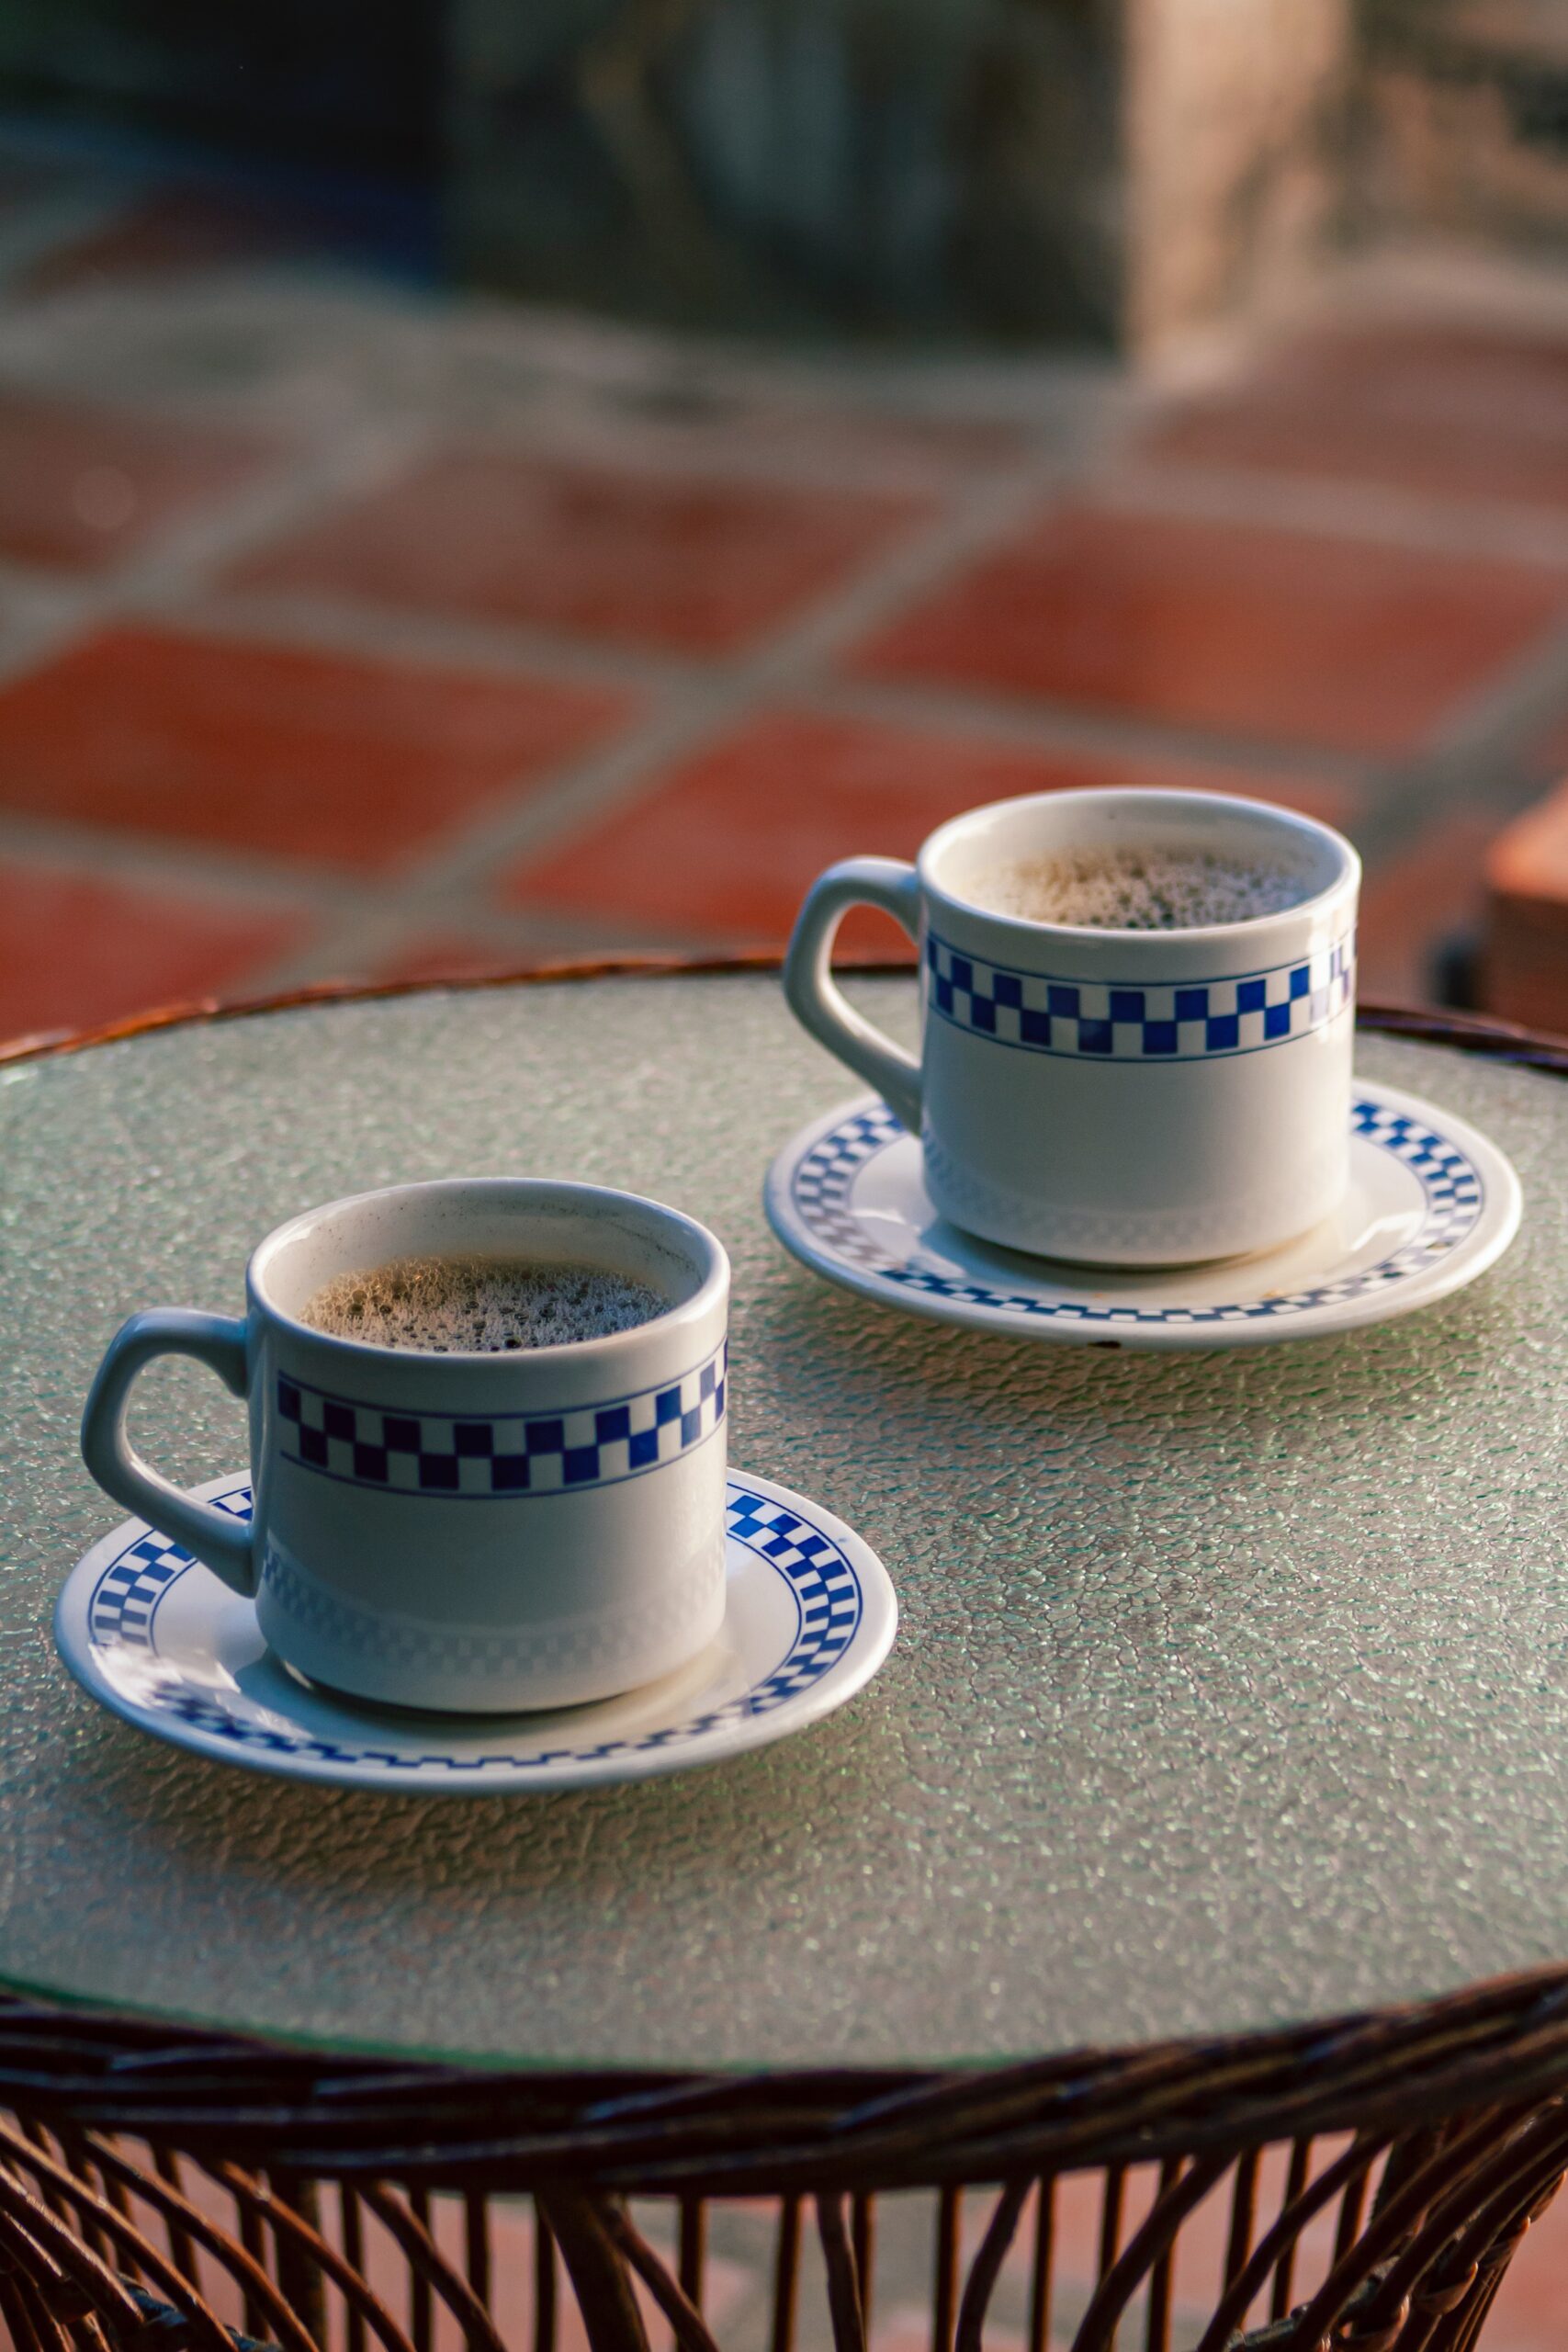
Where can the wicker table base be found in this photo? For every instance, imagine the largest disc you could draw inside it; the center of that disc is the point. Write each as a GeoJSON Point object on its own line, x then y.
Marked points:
{"type": "Point", "coordinates": [1372, 2179]}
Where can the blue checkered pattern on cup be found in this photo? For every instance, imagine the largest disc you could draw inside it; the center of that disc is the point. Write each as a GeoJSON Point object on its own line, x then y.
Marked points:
{"type": "Point", "coordinates": [1185, 1021]}
{"type": "Point", "coordinates": [489, 1457]}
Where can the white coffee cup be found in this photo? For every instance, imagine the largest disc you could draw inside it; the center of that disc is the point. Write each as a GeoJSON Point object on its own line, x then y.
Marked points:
{"type": "Point", "coordinates": [465, 1531]}
{"type": "Point", "coordinates": [1115, 1097]}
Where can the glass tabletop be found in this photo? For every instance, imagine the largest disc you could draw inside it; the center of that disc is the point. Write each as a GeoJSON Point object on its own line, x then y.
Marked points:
{"type": "Point", "coordinates": [1230, 1688]}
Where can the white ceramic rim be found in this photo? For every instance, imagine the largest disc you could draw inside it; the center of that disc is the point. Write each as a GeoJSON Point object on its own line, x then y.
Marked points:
{"type": "Point", "coordinates": [1462, 1265]}
{"type": "Point", "coordinates": [1344, 883]}
{"type": "Point", "coordinates": [703, 1245]}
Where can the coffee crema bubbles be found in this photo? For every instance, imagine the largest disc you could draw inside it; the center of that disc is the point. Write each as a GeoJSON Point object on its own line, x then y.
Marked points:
{"type": "Point", "coordinates": [459, 1305]}
{"type": "Point", "coordinates": [1138, 889]}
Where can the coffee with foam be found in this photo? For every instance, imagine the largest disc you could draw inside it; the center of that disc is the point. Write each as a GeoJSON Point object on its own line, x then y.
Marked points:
{"type": "Point", "coordinates": [1138, 889]}
{"type": "Point", "coordinates": [480, 1305]}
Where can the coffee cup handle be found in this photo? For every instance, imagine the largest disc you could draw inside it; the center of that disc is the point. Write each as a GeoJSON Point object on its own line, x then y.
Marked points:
{"type": "Point", "coordinates": [226, 1546]}
{"type": "Point", "coordinates": [815, 999]}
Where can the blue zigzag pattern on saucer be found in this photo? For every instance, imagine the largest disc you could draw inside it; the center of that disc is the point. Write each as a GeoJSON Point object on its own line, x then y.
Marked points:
{"type": "Point", "coordinates": [1454, 1196]}
{"type": "Point", "coordinates": [1168, 1021]}
{"type": "Point", "coordinates": [123, 1613]}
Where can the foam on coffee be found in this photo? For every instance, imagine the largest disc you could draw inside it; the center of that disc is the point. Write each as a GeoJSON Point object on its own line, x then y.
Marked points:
{"type": "Point", "coordinates": [1138, 889]}
{"type": "Point", "coordinates": [454, 1306]}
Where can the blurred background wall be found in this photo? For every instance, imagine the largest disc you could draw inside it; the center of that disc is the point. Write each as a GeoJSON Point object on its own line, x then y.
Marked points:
{"type": "Point", "coordinates": [1464, 118]}
{"type": "Point", "coordinates": [1112, 170]}
{"type": "Point", "coordinates": [1015, 168]}
{"type": "Point", "coordinates": [487, 479]}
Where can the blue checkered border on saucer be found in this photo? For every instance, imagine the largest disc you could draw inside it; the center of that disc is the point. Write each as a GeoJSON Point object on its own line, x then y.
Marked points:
{"type": "Point", "coordinates": [1103, 1021]}
{"type": "Point", "coordinates": [822, 1580]}
{"type": "Point", "coordinates": [500, 1455]}
{"type": "Point", "coordinates": [126, 1597]}
{"type": "Point", "coordinates": [1454, 1196]}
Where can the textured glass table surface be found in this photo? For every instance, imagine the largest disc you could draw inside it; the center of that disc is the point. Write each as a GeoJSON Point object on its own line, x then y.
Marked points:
{"type": "Point", "coordinates": [1231, 1689]}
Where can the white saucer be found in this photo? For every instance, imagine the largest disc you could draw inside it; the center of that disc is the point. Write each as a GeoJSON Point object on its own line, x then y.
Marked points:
{"type": "Point", "coordinates": [155, 1637]}
{"type": "Point", "coordinates": [1431, 1205]}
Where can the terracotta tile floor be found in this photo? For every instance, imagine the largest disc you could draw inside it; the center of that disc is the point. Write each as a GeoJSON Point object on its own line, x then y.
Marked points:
{"type": "Point", "coordinates": [1452, 414]}
{"type": "Point", "coordinates": [617, 556]}
{"type": "Point", "coordinates": [132, 944]}
{"type": "Point", "coordinates": [439, 636]}
{"type": "Point", "coordinates": [345, 633]}
{"type": "Point", "coordinates": [316, 758]}
{"type": "Point", "coordinates": [810, 784]}
{"type": "Point", "coordinates": [84, 487]}
{"type": "Point", "coordinates": [1267, 636]}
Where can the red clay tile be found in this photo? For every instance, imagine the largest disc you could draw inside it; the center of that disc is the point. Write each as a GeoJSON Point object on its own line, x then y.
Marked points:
{"type": "Point", "coordinates": [76, 950]}
{"type": "Point", "coordinates": [1419, 902]}
{"type": "Point", "coordinates": [333, 758]}
{"type": "Point", "coordinates": [691, 565]}
{"type": "Point", "coordinates": [722, 848]}
{"type": "Point", "coordinates": [881, 439]}
{"type": "Point", "coordinates": [82, 488]}
{"type": "Point", "coordinates": [1456, 413]}
{"type": "Point", "coordinates": [1276, 635]}
{"type": "Point", "coordinates": [876, 449]}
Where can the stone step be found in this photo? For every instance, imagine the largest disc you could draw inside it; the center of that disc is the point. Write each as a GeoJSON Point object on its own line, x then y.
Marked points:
{"type": "Point", "coordinates": [1526, 953]}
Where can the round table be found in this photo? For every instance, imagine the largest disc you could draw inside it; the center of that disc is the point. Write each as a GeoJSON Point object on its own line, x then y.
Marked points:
{"type": "Point", "coordinates": [1209, 1802]}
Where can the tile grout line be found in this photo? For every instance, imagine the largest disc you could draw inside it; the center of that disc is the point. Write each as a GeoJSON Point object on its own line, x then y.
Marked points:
{"type": "Point", "coordinates": [692, 703]}
{"type": "Point", "coordinates": [1037, 723]}
{"type": "Point", "coordinates": [1520, 699]}
{"type": "Point", "coordinates": [1492, 722]}
{"type": "Point", "coordinates": [794, 667]}
{"type": "Point", "coordinates": [1118, 473]}
{"type": "Point", "coordinates": [150, 860]}
{"type": "Point", "coordinates": [1496, 725]}
{"type": "Point", "coordinates": [376, 937]}
{"type": "Point", "coordinates": [715, 699]}
{"type": "Point", "coordinates": [708, 700]}
{"type": "Point", "coordinates": [435, 899]}
{"type": "Point", "coordinates": [318, 621]}
{"type": "Point", "coordinates": [163, 583]}
{"type": "Point", "coordinates": [1369, 515]}
{"type": "Point", "coordinates": [171, 573]}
